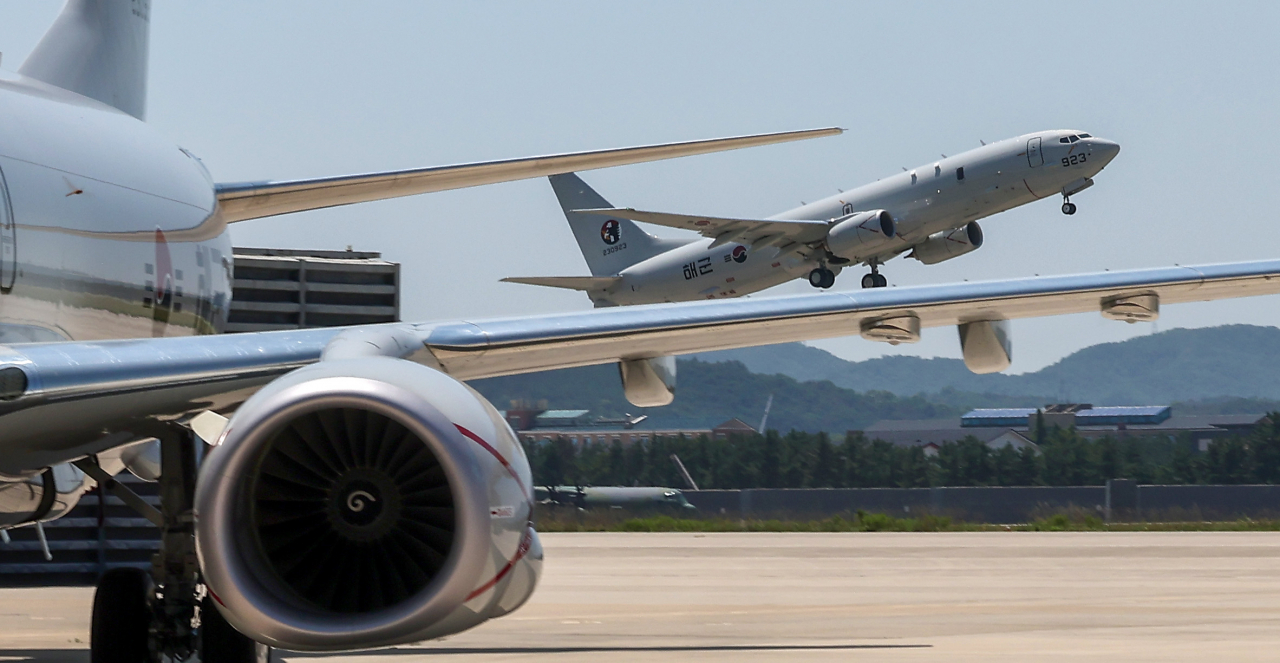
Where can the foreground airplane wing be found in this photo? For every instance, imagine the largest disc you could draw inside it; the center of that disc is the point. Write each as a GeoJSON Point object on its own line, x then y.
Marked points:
{"type": "Point", "coordinates": [757, 232]}
{"type": "Point", "coordinates": [252, 200]}
{"type": "Point", "coordinates": [71, 391]}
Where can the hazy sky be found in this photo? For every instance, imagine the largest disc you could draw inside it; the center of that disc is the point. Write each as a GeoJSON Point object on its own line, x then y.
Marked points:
{"type": "Point", "coordinates": [277, 90]}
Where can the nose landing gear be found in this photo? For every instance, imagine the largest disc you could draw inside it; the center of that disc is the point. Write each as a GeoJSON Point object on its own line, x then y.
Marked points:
{"type": "Point", "coordinates": [822, 277]}
{"type": "Point", "coordinates": [1068, 207]}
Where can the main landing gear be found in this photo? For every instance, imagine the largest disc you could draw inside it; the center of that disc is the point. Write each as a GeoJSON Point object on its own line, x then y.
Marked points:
{"type": "Point", "coordinates": [875, 279]}
{"type": "Point", "coordinates": [822, 277]}
{"type": "Point", "coordinates": [142, 616]}
{"type": "Point", "coordinates": [1068, 207]}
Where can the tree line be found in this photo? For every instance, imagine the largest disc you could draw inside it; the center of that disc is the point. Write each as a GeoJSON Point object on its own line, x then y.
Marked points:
{"type": "Point", "coordinates": [807, 460]}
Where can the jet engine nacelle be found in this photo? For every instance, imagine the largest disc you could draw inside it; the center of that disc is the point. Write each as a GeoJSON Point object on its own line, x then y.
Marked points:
{"type": "Point", "coordinates": [47, 496]}
{"type": "Point", "coordinates": [947, 245]}
{"type": "Point", "coordinates": [362, 503]}
{"type": "Point", "coordinates": [861, 233]}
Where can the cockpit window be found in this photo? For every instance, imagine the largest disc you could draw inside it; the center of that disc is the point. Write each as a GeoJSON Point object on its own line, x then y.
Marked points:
{"type": "Point", "coordinates": [1085, 136]}
{"type": "Point", "coordinates": [1064, 139]}
{"type": "Point", "coordinates": [1075, 138]}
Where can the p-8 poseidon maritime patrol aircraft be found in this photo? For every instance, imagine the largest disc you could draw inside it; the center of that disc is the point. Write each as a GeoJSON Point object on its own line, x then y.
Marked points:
{"type": "Point", "coordinates": [931, 211]}
{"type": "Point", "coordinates": [361, 494]}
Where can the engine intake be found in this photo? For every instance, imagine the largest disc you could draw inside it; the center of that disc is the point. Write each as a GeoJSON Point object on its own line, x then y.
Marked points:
{"type": "Point", "coordinates": [347, 493]}
{"type": "Point", "coordinates": [365, 503]}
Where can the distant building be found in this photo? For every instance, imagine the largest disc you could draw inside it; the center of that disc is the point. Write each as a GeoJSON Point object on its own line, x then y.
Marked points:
{"type": "Point", "coordinates": [289, 289]}
{"type": "Point", "coordinates": [1016, 426]}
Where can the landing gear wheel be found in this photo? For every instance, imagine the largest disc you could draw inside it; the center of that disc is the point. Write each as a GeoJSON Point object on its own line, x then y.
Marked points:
{"type": "Point", "coordinates": [1068, 208]}
{"type": "Point", "coordinates": [874, 280]}
{"type": "Point", "coordinates": [121, 623]}
{"type": "Point", "coordinates": [822, 278]}
{"type": "Point", "coordinates": [881, 281]}
{"type": "Point", "coordinates": [220, 643]}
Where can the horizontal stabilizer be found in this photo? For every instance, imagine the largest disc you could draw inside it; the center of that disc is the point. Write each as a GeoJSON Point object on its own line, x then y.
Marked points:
{"type": "Point", "coordinates": [586, 283]}
{"type": "Point", "coordinates": [744, 231]}
{"type": "Point", "coordinates": [252, 200]}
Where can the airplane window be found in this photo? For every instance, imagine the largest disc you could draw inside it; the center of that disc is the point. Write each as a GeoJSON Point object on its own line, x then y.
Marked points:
{"type": "Point", "coordinates": [1064, 140]}
{"type": "Point", "coordinates": [960, 173]}
{"type": "Point", "coordinates": [1075, 138]}
{"type": "Point", "coordinates": [1085, 136]}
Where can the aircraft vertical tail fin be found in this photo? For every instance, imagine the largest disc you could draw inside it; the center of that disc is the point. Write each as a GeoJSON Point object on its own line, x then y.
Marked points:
{"type": "Point", "coordinates": [609, 244]}
{"type": "Point", "coordinates": [97, 48]}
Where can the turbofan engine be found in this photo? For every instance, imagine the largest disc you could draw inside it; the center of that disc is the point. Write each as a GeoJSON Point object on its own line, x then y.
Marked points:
{"type": "Point", "coordinates": [860, 233]}
{"type": "Point", "coordinates": [363, 503]}
{"type": "Point", "coordinates": [949, 244]}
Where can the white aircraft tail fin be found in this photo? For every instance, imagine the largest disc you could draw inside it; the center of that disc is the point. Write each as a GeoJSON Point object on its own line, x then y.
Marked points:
{"type": "Point", "coordinates": [98, 49]}
{"type": "Point", "coordinates": [609, 244]}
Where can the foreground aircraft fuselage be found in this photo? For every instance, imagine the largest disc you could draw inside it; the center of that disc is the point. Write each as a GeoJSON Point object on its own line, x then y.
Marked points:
{"type": "Point", "coordinates": [930, 211]}
{"type": "Point", "coordinates": [109, 231]}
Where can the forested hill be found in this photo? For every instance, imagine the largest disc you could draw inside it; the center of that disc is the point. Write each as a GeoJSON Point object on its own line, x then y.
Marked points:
{"type": "Point", "coordinates": [1176, 365]}
{"type": "Point", "coordinates": [710, 393]}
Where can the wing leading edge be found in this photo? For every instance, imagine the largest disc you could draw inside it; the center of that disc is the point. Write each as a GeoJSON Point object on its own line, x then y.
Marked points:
{"type": "Point", "coordinates": [82, 388]}
{"type": "Point", "coordinates": [252, 200]}
{"type": "Point", "coordinates": [757, 232]}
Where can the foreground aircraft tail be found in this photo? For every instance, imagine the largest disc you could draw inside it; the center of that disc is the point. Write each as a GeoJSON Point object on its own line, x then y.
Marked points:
{"type": "Point", "coordinates": [98, 49]}
{"type": "Point", "coordinates": [609, 244]}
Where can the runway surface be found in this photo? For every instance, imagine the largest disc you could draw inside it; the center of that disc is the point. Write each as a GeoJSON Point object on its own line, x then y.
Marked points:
{"type": "Point", "coordinates": [836, 597]}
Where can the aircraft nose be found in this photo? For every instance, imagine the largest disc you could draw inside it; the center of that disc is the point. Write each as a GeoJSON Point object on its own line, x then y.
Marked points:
{"type": "Point", "coordinates": [1106, 149]}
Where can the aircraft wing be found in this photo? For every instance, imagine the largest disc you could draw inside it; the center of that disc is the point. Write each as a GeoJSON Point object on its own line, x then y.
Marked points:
{"type": "Point", "coordinates": [252, 200]}
{"type": "Point", "coordinates": [756, 232]}
{"type": "Point", "coordinates": [68, 393]}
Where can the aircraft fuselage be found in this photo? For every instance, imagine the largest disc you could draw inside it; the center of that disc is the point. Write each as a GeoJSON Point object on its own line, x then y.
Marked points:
{"type": "Point", "coordinates": [109, 231]}
{"type": "Point", "coordinates": [939, 196]}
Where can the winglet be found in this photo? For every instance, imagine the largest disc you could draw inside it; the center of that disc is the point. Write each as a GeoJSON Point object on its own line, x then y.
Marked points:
{"type": "Point", "coordinates": [98, 49]}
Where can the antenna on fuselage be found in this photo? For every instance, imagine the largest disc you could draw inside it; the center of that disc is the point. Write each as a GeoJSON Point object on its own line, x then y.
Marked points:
{"type": "Point", "coordinates": [982, 141]}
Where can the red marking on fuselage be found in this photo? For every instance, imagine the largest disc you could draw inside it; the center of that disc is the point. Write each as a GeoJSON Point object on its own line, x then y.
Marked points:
{"type": "Point", "coordinates": [1024, 183]}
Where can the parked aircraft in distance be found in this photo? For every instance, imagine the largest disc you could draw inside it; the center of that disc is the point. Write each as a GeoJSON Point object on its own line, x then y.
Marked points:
{"type": "Point", "coordinates": [361, 495]}
{"type": "Point", "coordinates": [931, 211]}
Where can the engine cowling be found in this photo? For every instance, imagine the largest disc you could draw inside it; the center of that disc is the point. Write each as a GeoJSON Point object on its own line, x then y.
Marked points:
{"type": "Point", "coordinates": [947, 245]}
{"type": "Point", "coordinates": [46, 496]}
{"type": "Point", "coordinates": [363, 503]}
{"type": "Point", "coordinates": [860, 234]}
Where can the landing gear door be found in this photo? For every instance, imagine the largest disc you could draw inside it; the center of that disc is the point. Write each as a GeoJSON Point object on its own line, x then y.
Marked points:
{"type": "Point", "coordinates": [8, 241]}
{"type": "Point", "coordinates": [1035, 157]}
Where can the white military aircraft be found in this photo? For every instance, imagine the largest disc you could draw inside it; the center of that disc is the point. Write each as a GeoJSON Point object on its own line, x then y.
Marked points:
{"type": "Point", "coordinates": [931, 211]}
{"type": "Point", "coordinates": [361, 495]}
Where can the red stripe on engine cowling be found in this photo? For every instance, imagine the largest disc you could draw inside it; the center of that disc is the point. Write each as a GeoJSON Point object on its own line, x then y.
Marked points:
{"type": "Point", "coordinates": [488, 447]}
{"type": "Point", "coordinates": [526, 543]}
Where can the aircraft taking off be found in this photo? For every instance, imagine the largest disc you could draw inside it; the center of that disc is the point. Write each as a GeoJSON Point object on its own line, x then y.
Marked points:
{"type": "Point", "coordinates": [931, 211]}
{"type": "Point", "coordinates": [360, 495]}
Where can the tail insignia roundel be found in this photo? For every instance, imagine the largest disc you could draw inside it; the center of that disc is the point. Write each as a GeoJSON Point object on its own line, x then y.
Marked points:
{"type": "Point", "coordinates": [610, 232]}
